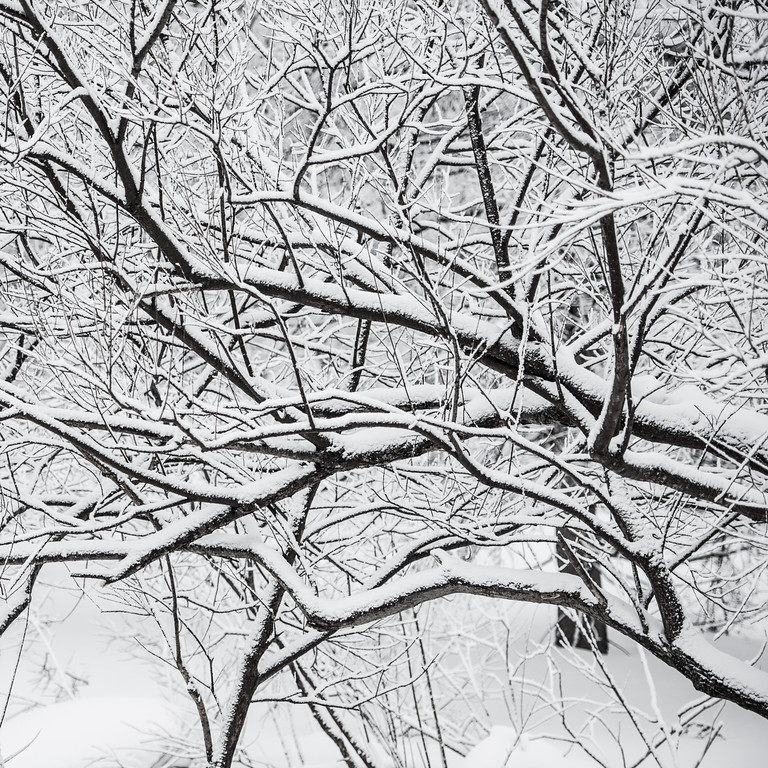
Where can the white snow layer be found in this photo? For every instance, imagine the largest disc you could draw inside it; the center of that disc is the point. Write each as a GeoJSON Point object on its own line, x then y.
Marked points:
{"type": "Point", "coordinates": [503, 749]}
{"type": "Point", "coordinates": [102, 731]}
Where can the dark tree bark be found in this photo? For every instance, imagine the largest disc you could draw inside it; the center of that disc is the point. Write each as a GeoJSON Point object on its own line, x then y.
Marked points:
{"type": "Point", "coordinates": [584, 632]}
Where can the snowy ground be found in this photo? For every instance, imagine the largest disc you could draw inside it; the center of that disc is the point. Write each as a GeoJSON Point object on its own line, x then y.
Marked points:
{"type": "Point", "coordinates": [86, 731]}
{"type": "Point", "coordinates": [122, 714]}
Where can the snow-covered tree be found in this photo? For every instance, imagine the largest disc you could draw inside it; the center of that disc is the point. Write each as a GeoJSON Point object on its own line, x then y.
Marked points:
{"type": "Point", "coordinates": [314, 314]}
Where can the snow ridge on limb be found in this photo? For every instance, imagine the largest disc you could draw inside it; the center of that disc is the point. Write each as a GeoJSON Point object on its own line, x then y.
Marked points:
{"type": "Point", "coordinates": [710, 670]}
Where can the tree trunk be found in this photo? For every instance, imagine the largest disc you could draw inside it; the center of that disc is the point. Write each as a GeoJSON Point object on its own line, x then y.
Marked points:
{"type": "Point", "coordinates": [576, 633]}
